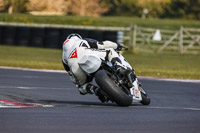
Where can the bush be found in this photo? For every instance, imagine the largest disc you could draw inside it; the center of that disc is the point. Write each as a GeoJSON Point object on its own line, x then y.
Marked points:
{"type": "Point", "coordinates": [183, 9]}
{"type": "Point", "coordinates": [16, 6]}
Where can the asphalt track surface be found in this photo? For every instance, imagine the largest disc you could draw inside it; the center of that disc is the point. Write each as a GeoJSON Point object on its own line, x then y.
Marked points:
{"type": "Point", "coordinates": [175, 107]}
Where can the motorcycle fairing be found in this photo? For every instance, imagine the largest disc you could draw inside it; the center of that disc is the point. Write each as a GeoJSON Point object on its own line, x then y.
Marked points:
{"type": "Point", "coordinates": [135, 92]}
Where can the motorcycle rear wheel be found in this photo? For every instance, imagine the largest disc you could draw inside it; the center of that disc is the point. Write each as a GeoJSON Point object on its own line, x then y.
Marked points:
{"type": "Point", "coordinates": [114, 92]}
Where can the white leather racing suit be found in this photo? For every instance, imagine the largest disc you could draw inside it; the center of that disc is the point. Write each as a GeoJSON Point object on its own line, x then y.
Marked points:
{"type": "Point", "coordinates": [75, 48]}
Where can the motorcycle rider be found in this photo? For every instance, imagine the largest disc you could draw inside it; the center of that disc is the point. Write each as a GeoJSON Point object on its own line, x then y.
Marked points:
{"type": "Point", "coordinates": [74, 47]}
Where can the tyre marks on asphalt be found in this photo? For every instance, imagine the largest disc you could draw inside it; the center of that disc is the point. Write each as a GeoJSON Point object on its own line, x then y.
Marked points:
{"type": "Point", "coordinates": [17, 104]}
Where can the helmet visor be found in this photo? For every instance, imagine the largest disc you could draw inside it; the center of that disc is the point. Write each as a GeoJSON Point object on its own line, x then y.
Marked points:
{"type": "Point", "coordinates": [74, 35]}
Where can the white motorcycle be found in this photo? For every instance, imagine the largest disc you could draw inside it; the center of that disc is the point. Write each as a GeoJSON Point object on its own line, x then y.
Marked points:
{"type": "Point", "coordinates": [121, 89]}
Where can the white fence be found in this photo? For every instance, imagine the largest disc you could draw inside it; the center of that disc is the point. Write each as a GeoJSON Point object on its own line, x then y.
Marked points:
{"type": "Point", "coordinates": [183, 40]}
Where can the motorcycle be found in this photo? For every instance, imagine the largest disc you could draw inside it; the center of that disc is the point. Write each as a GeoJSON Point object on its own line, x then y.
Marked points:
{"type": "Point", "coordinates": [121, 89]}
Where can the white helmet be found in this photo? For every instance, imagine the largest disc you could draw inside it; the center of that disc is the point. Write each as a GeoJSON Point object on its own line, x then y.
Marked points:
{"type": "Point", "coordinates": [74, 36]}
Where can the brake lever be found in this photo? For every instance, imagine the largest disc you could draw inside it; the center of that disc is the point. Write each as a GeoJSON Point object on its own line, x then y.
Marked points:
{"type": "Point", "coordinates": [122, 46]}
{"type": "Point", "coordinates": [125, 48]}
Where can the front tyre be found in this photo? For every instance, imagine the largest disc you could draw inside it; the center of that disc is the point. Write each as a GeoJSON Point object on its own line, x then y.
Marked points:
{"type": "Point", "coordinates": [145, 99]}
{"type": "Point", "coordinates": [113, 91]}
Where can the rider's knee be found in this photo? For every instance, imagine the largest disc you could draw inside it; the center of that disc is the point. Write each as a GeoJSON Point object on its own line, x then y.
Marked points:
{"type": "Point", "coordinates": [79, 74]}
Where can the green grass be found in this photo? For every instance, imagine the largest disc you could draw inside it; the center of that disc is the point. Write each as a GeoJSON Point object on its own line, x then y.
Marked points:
{"type": "Point", "coordinates": [30, 57]}
{"type": "Point", "coordinates": [162, 65]}
{"type": "Point", "coordinates": [101, 21]}
{"type": "Point", "coordinates": [172, 65]}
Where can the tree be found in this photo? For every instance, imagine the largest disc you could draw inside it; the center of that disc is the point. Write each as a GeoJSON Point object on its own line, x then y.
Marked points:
{"type": "Point", "coordinates": [2, 5]}
{"type": "Point", "coordinates": [123, 7]}
{"type": "Point", "coordinates": [52, 6]}
{"type": "Point", "coordinates": [87, 7]}
{"type": "Point", "coordinates": [183, 8]}
{"type": "Point", "coordinates": [194, 11]}
{"type": "Point", "coordinates": [18, 6]}
{"type": "Point", "coordinates": [76, 7]}
{"type": "Point", "coordinates": [155, 7]}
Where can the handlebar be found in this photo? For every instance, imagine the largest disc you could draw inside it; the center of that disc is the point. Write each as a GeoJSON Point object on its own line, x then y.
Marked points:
{"type": "Point", "coordinates": [121, 46]}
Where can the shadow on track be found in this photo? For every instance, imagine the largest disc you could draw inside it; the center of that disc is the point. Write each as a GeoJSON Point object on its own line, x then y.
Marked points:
{"type": "Point", "coordinates": [58, 103]}
{"type": "Point", "coordinates": [62, 103]}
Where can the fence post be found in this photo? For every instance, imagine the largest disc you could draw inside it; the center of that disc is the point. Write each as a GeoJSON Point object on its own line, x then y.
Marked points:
{"type": "Point", "coordinates": [131, 36]}
{"type": "Point", "coordinates": [134, 36]}
{"type": "Point", "coordinates": [181, 40]}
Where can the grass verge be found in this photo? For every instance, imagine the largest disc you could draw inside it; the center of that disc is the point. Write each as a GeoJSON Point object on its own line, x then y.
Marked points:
{"type": "Point", "coordinates": [101, 21]}
{"type": "Point", "coordinates": [162, 65]}
{"type": "Point", "coordinates": [27, 57]}
{"type": "Point", "coordinates": [171, 65]}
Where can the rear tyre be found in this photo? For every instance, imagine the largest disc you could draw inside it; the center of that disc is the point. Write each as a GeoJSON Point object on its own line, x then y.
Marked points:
{"type": "Point", "coordinates": [113, 91]}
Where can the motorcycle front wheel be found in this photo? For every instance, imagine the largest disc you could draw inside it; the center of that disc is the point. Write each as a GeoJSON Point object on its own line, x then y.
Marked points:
{"type": "Point", "coordinates": [114, 92]}
{"type": "Point", "coordinates": [145, 99]}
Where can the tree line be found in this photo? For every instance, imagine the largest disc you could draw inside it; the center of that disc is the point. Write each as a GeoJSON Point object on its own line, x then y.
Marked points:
{"type": "Point", "coordinates": [141, 8]}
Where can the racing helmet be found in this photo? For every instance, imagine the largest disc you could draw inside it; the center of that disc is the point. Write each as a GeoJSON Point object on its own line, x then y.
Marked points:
{"type": "Point", "coordinates": [74, 36]}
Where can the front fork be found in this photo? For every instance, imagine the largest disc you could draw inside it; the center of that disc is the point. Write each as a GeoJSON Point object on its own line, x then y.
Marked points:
{"type": "Point", "coordinates": [136, 91]}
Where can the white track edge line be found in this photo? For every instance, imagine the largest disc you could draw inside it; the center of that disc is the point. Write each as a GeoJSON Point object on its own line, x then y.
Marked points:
{"type": "Point", "coordinates": [37, 70]}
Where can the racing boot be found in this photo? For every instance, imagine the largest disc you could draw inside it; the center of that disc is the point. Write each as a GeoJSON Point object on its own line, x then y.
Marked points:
{"type": "Point", "coordinates": [119, 67]}
{"type": "Point", "coordinates": [92, 89]}
{"type": "Point", "coordinates": [87, 89]}
{"type": "Point", "coordinates": [101, 96]}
